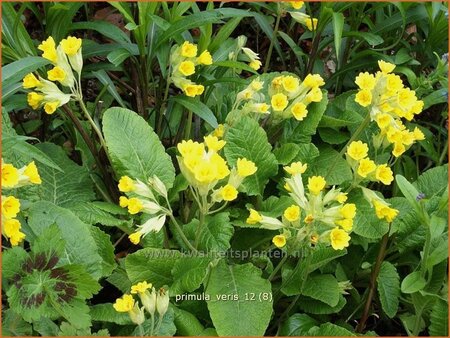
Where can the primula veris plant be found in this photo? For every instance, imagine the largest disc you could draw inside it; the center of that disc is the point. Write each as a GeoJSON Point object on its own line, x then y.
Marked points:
{"type": "Point", "coordinates": [232, 169]}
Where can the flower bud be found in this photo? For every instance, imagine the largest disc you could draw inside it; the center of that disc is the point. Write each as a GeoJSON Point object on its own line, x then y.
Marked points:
{"type": "Point", "coordinates": [162, 301]}
{"type": "Point", "coordinates": [137, 315]}
{"type": "Point", "coordinates": [158, 186]}
{"type": "Point", "coordinates": [149, 300]}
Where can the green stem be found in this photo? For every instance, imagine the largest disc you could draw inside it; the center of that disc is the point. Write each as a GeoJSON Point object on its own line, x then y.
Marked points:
{"type": "Point", "coordinates": [200, 226]}
{"type": "Point", "coordinates": [187, 130]}
{"type": "Point", "coordinates": [426, 251]}
{"type": "Point", "coordinates": [373, 281]}
{"type": "Point", "coordinates": [158, 326]}
{"type": "Point", "coordinates": [181, 233]}
{"type": "Point", "coordinates": [278, 267]}
{"type": "Point", "coordinates": [152, 315]}
{"type": "Point", "coordinates": [355, 135]}
{"type": "Point", "coordinates": [93, 124]}
{"type": "Point", "coordinates": [141, 331]}
{"type": "Point", "coordinates": [272, 41]}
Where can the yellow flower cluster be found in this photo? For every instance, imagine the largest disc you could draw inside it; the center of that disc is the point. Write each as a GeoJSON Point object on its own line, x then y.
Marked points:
{"type": "Point", "coordinates": [151, 300]}
{"type": "Point", "coordinates": [204, 167]}
{"type": "Point", "coordinates": [183, 60]}
{"type": "Point", "coordinates": [141, 197]}
{"type": "Point", "coordinates": [285, 97]}
{"type": "Point", "coordinates": [65, 58]}
{"type": "Point", "coordinates": [15, 178]}
{"type": "Point", "coordinates": [389, 101]}
{"type": "Point", "coordinates": [327, 218]}
{"type": "Point", "coordinates": [365, 168]}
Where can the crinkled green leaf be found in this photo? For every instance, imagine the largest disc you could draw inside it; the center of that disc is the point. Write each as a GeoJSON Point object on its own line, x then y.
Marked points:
{"type": "Point", "coordinates": [388, 285]}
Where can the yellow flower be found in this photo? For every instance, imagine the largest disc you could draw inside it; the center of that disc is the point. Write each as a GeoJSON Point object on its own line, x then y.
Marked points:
{"type": "Point", "coordinates": [383, 120]}
{"type": "Point", "coordinates": [366, 167]}
{"type": "Point", "coordinates": [255, 64]}
{"type": "Point", "coordinates": [124, 304]}
{"type": "Point", "coordinates": [316, 184]}
{"type": "Point", "coordinates": [135, 237]}
{"type": "Point", "coordinates": [34, 99]}
{"type": "Point", "coordinates": [10, 176]}
{"type": "Point", "coordinates": [56, 74]}
{"type": "Point", "coordinates": [292, 213]}
{"type": "Point", "coordinates": [382, 210]}
{"type": "Point", "coordinates": [384, 174]}
{"type": "Point", "coordinates": [279, 102]}
{"type": "Point", "coordinates": [339, 239]}
{"type": "Point", "coordinates": [190, 90]}
{"type": "Point", "coordinates": [309, 219]}
{"type": "Point", "coordinates": [49, 50]}
{"type": "Point", "coordinates": [257, 85]}
{"type": "Point", "coordinates": [287, 187]}
{"type": "Point", "coordinates": [418, 135]}
{"type": "Point", "coordinates": [311, 23]}
{"type": "Point", "coordinates": [191, 148]}
{"type": "Point", "coordinates": [228, 192]}
{"type": "Point", "coordinates": [205, 58]}
{"type": "Point", "coordinates": [219, 131]}
{"type": "Point", "coordinates": [32, 173]}
{"type": "Point", "coordinates": [126, 184]}
{"type": "Point", "coordinates": [299, 111]}
{"type": "Point", "coordinates": [385, 67]}
{"type": "Point", "coordinates": [348, 211]}
{"type": "Point", "coordinates": [365, 81]}
{"type": "Point", "coordinates": [342, 197]}
{"type": "Point", "coordinates": [204, 172]}
{"type": "Point", "coordinates": [30, 81]}
{"type": "Point", "coordinates": [313, 80]}
{"type": "Point", "coordinates": [134, 205]}
{"type": "Point", "coordinates": [254, 217]}
{"type": "Point", "coordinates": [199, 89]}
{"type": "Point", "coordinates": [346, 224]}
{"type": "Point", "coordinates": [290, 83]}
{"type": "Point", "coordinates": [245, 167]}
{"type": "Point", "coordinates": [279, 241]}
{"type": "Point", "coordinates": [296, 168]}
{"type": "Point", "coordinates": [10, 207]}
{"type": "Point", "coordinates": [186, 68]}
{"type": "Point", "coordinates": [220, 166]}
{"type": "Point", "coordinates": [140, 287]}
{"type": "Point", "coordinates": [123, 201]}
{"type": "Point", "coordinates": [16, 237]}
{"type": "Point", "coordinates": [213, 143]}
{"type": "Point", "coordinates": [315, 95]}
{"type": "Point", "coordinates": [364, 97]}
{"type": "Point", "coordinates": [399, 149]}
{"type": "Point", "coordinates": [393, 83]}
{"type": "Point", "coordinates": [296, 4]}
{"type": "Point", "coordinates": [188, 50]}
{"type": "Point", "coordinates": [11, 226]}
{"type": "Point", "coordinates": [50, 107]}
{"type": "Point", "coordinates": [357, 150]}
{"type": "Point", "coordinates": [70, 45]}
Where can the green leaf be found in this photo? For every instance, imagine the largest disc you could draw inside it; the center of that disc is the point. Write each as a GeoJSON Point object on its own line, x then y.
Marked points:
{"type": "Point", "coordinates": [90, 213]}
{"type": "Point", "coordinates": [408, 190]}
{"type": "Point", "coordinates": [16, 71]}
{"type": "Point", "coordinates": [366, 223]}
{"type": "Point", "coordinates": [152, 265]}
{"type": "Point", "coordinates": [118, 56]}
{"type": "Point", "coordinates": [105, 249]}
{"type": "Point", "coordinates": [45, 287]}
{"type": "Point", "coordinates": [247, 139]}
{"type": "Point", "coordinates": [167, 327]}
{"type": "Point", "coordinates": [84, 252]}
{"type": "Point", "coordinates": [215, 234]}
{"type": "Point", "coordinates": [433, 181]}
{"type": "Point", "coordinates": [134, 148]}
{"type": "Point", "coordinates": [14, 325]}
{"type": "Point", "coordinates": [63, 188]}
{"type": "Point", "coordinates": [293, 279]}
{"type": "Point", "coordinates": [388, 285]}
{"type": "Point", "coordinates": [413, 282]}
{"type": "Point", "coordinates": [324, 288]}
{"type": "Point", "coordinates": [439, 319]}
{"type": "Point", "coordinates": [235, 65]}
{"type": "Point", "coordinates": [286, 153]}
{"type": "Point", "coordinates": [329, 329]}
{"type": "Point", "coordinates": [188, 274]}
{"type": "Point", "coordinates": [106, 313]}
{"type": "Point", "coordinates": [297, 325]}
{"type": "Point", "coordinates": [105, 28]}
{"type": "Point", "coordinates": [316, 307]}
{"type": "Point", "coordinates": [187, 324]}
{"type": "Point", "coordinates": [198, 108]}
{"type": "Point", "coordinates": [332, 166]}
{"type": "Point", "coordinates": [228, 315]}
{"type": "Point", "coordinates": [338, 26]}
{"type": "Point", "coordinates": [104, 78]}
